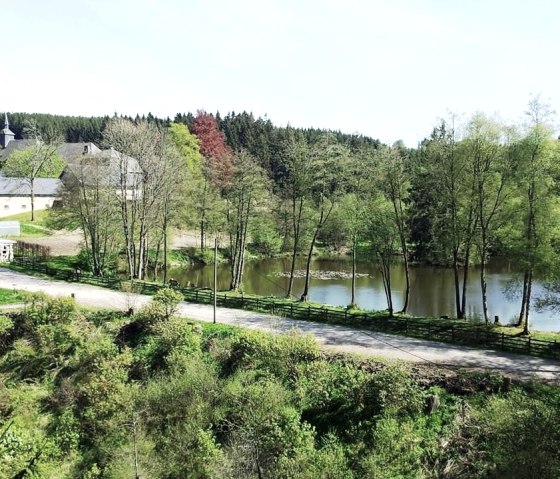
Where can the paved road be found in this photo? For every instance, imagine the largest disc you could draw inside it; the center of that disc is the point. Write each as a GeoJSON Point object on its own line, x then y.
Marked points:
{"type": "Point", "coordinates": [338, 338]}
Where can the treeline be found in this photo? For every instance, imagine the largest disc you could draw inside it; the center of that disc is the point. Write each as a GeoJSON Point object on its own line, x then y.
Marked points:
{"type": "Point", "coordinates": [472, 189]}
{"type": "Point", "coordinates": [242, 130]}
{"type": "Point", "coordinates": [106, 395]}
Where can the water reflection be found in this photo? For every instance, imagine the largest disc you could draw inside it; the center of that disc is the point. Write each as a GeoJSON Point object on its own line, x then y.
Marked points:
{"type": "Point", "coordinates": [432, 292]}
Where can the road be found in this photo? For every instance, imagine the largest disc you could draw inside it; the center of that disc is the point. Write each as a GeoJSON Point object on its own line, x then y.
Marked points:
{"type": "Point", "coordinates": [333, 337]}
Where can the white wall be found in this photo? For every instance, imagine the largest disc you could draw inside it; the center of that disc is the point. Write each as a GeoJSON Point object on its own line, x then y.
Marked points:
{"type": "Point", "coordinates": [14, 205]}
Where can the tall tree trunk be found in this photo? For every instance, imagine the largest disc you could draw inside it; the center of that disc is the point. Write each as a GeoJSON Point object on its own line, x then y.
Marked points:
{"type": "Point", "coordinates": [353, 298]}
{"type": "Point", "coordinates": [296, 222]}
{"type": "Point", "coordinates": [305, 294]}
{"type": "Point", "coordinates": [483, 281]}
{"type": "Point", "coordinates": [456, 283]}
{"type": "Point", "coordinates": [399, 218]}
{"type": "Point", "coordinates": [407, 276]}
{"type": "Point", "coordinates": [165, 250]}
{"type": "Point", "coordinates": [528, 305]}
{"type": "Point", "coordinates": [523, 299]}
{"type": "Point", "coordinates": [386, 276]}
{"type": "Point", "coordinates": [32, 188]}
{"type": "Point", "coordinates": [465, 281]}
{"type": "Point", "coordinates": [203, 216]}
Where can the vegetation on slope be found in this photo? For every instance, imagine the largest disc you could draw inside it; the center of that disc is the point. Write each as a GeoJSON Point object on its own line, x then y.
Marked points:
{"type": "Point", "coordinates": [107, 395]}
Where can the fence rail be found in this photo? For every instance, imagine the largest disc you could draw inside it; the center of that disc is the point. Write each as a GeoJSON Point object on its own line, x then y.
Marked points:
{"type": "Point", "coordinates": [477, 335]}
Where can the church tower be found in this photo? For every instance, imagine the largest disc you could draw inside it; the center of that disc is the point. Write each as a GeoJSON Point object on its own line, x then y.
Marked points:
{"type": "Point", "coordinates": [6, 135]}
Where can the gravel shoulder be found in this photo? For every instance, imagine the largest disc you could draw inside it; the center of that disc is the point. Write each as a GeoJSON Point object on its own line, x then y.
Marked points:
{"type": "Point", "coordinates": [334, 337]}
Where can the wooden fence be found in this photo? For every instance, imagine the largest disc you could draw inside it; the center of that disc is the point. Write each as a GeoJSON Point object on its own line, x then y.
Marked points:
{"type": "Point", "coordinates": [467, 333]}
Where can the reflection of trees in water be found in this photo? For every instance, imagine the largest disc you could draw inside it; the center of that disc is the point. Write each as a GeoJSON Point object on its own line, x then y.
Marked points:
{"type": "Point", "coordinates": [431, 291]}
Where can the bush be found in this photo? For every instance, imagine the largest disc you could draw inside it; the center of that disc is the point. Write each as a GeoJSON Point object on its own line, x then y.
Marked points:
{"type": "Point", "coordinates": [392, 390]}
{"type": "Point", "coordinates": [265, 238]}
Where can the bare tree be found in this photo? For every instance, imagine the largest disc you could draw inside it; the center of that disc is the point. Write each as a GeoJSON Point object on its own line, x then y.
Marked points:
{"type": "Point", "coordinates": [243, 196]}
{"type": "Point", "coordinates": [88, 199]}
{"type": "Point", "coordinates": [141, 153]}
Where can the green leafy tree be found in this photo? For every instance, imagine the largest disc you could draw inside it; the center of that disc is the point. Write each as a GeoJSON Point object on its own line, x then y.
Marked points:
{"type": "Point", "coordinates": [384, 238]}
{"type": "Point", "coordinates": [537, 208]}
{"type": "Point", "coordinates": [492, 173]}
{"type": "Point", "coordinates": [394, 181]}
{"type": "Point", "coordinates": [297, 161]}
{"type": "Point", "coordinates": [38, 160]}
{"type": "Point", "coordinates": [445, 171]}
{"type": "Point", "coordinates": [329, 172]}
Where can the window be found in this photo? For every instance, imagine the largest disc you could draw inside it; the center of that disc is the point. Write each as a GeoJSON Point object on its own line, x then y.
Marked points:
{"type": "Point", "coordinates": [6, 207]}
{"type": "Point", "coordinates": [23, 207]}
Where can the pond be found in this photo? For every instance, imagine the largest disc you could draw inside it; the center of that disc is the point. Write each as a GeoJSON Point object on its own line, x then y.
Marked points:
{"type": "Point", "coordinates": [432, 292]}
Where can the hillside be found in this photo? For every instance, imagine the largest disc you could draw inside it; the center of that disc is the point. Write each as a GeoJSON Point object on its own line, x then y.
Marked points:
{"type": "Point", "coordinates": [88, 394]}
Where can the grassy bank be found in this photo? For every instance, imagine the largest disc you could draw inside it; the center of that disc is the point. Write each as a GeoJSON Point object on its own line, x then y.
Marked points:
{"type": "Point", "coordinates": [9, 296]}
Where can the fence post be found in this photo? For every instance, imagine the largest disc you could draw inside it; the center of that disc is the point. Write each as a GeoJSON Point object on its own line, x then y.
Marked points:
{"type": "Point", "coordinates": [308, 313]}
{"type": "Point", "coordinates": [345, 315]}
{"type": "Point", "coordinates": [326, 315]}
{"type": "Point", "coordinates": [502, 340]}
{"type": "Point", "coordinates": [272, 306]}
{"type": "Point", "coordinates": [292, 310]}
{"type": "Point", "coordinates": [452, 333]}
{"type": "Point", "coordinates": [196, 296]}
{"type": "Point", "coordinates": [529, 345]}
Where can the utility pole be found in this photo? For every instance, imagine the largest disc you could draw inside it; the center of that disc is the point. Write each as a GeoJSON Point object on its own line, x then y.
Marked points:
{"type": "Point", "coordinates": [215, 274]}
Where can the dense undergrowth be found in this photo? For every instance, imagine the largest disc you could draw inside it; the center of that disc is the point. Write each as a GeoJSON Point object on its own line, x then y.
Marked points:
{"type": "Point", "coordinates": [105, 395]}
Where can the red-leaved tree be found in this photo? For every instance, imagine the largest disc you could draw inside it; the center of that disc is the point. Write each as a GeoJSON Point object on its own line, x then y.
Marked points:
{"type": "Point", "coordinates": [214, 149]}
{"type": "Point", "coordinates": [217, 171]}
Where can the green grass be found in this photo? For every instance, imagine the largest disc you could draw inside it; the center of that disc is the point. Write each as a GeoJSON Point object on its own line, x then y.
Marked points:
{"type": "Point", "coordinates": [9, 296]}
{"type": "Point", "coordinates": [28, 228]}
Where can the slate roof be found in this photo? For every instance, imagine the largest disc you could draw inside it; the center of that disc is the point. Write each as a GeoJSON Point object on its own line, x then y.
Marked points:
{"type": "Point", "coordinates": [12, 146]}
{"type": "Point", "coordinates": [20, 186]}
{"type": "Point", "coordinates": [108, 161]}
{"type": "Point", "coordinates": [82, 160]}
{"type": "Point", "coordinates": [70, 150]}
{"type": "Point", "coordinates": [66, 150]}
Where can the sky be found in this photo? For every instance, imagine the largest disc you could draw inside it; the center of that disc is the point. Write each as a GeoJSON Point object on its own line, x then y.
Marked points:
{"type": "Point", "coordinates": [385, 69]}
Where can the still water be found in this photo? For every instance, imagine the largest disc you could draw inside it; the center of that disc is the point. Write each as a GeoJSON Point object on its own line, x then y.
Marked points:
{"type": "Point", "coordinates": [432, 292]}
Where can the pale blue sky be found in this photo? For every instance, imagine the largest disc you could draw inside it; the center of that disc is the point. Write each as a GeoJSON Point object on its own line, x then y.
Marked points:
{"type": "Point", "coordinates": [387, 69]}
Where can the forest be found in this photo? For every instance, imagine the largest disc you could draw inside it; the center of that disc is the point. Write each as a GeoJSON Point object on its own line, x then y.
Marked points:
{"type": "Point", "coordinates": [475, 188]}
{"type": "Point", "coordinates": [113, 395]}
{"type": "Point", "coordinates": [97, 394]}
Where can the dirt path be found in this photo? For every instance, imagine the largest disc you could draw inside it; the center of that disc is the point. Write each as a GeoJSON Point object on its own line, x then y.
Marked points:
{"type": "Point", "coordinates": [60, 242]}
{"type": "Point", "coordinates": [64, 243]}
{"type": "Point", "coordinates": [338, 338]}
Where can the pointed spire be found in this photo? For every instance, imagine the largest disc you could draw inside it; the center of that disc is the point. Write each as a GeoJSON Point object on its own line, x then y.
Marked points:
{"type": "Point", "coordinates": [6, 135]}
